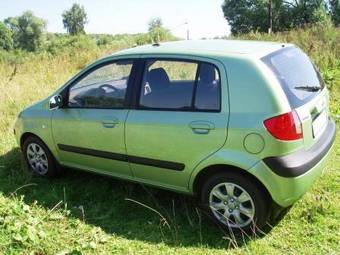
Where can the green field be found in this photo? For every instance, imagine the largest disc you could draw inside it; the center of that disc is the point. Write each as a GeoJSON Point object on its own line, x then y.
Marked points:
{"type": "Point", "coordinates": [82, 213]}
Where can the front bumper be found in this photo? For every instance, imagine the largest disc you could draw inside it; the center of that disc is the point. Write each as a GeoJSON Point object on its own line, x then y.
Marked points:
{"type": "Point", "coordinates": [286, 189]}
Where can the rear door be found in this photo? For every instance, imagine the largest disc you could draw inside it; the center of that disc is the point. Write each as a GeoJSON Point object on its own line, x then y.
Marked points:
{"type": "Point", "coordinates": [178, 119]}
{"type": "Point", "coordinates": [304, 89]}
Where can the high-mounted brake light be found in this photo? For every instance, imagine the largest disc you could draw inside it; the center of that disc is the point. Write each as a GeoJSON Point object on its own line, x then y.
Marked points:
{"type": "Point", "coordinates": [286, 127]}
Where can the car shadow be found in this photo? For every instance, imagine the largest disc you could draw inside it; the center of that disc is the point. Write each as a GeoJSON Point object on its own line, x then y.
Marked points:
{"type": "Point", "coordinates": [122, 208]}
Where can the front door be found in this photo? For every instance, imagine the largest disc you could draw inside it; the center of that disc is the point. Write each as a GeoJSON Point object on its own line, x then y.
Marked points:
{"type": "Point", "coordinates": [179, 120]}
{"type": "Point", "coordinates": [89, 130]}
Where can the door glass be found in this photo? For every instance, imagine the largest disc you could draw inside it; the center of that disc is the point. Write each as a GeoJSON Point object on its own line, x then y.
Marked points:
{"type": "Point", "coordinates": [208, 88]}
{"type": "Point", "coordinates": [168, 85]}
{"type": "Point", "coordinates": [104, 87]}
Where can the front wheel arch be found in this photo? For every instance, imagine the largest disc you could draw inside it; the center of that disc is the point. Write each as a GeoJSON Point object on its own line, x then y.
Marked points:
{"type": "Point", "coordinates": [24, 136]}
{"type": "Point", "coordinates": [55, 168]}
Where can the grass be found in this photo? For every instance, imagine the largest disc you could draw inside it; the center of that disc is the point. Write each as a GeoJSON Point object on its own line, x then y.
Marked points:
{"type": "Point", "coordinates": [82, 213]}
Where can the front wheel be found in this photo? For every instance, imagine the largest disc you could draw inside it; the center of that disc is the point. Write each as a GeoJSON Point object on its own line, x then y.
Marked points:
{"type": "Point", "coordinates": [235, 202]}
{"type": "Point", "coordinates": [39, 158]}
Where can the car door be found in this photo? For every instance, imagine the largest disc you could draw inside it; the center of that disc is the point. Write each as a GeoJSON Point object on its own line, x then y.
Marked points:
{"type": "Point", "coordinates": [89, 130]}
{"type": "Point", "coordinates": [178, 119]}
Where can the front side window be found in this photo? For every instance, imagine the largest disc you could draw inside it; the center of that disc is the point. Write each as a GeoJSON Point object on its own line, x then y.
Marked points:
{"type": "Point", "coordinates": [180, 85]}
{"type": "Point", "coordinates": [105, 87]}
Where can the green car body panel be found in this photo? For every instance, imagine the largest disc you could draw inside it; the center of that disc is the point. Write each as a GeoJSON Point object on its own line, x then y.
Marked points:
{"type": "Point", "coordinates": [237, 139]}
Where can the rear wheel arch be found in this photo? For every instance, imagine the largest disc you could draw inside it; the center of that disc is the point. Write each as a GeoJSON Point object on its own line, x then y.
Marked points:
{"type": "Point", "coordinates": [211, 170]}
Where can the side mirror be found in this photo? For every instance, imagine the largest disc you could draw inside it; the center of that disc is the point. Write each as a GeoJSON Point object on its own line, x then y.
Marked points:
{"type": "Point", "coordinates": [56, 102]}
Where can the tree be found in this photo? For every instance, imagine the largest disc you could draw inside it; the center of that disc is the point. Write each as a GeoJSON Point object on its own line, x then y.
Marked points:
{"type": "Point", "coordinates": [27, 31]}
{"type": "Point", "coordinates": [156, 30]}
{"type": "Point", "coordinates": [246, 15]}
{"type": "Point", "coordinates": [335, 11]}
{"type": "Point", "coordinates": [155, 23]}
{"type": "Point", "coordinates": [6, 40]}
{"type": "Point", "coordinates": [253, 15]}
{"type": "Point", "coordinates": [75, 19]}
{"type": "Point", "coordinates": [307, 12]}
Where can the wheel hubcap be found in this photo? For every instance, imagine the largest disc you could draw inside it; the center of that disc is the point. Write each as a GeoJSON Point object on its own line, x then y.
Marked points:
{"type": "Point", "coordinates": [37, 158]}
{"type": "Point", "coordinates": [232, 205]}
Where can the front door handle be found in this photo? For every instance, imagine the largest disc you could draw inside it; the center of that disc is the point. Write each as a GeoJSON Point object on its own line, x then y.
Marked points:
{"type": "Point", "coordinates": [110, 123]}
{"type": "Point", "coordinates": [201, 127]}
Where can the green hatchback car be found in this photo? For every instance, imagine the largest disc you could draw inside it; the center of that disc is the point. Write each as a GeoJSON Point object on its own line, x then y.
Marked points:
{"type": "Point", "coordinates": [242, 125]}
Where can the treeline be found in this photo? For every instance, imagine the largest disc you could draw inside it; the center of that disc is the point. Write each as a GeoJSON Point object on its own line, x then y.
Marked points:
{"type": "Point", "coordinates": [245, 16]}
{"type": "Point", "coordinates": [28, 33]}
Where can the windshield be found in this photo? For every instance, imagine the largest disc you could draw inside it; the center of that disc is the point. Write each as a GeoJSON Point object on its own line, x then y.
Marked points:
{"type": "Point", "coordinates": [297, 75]}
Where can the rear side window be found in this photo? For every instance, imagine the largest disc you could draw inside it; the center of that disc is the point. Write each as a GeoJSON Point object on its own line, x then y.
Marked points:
{"type": "Point", "coordinates": [296, 73]}
{"type": "Point", "coordinates": [180, 85]}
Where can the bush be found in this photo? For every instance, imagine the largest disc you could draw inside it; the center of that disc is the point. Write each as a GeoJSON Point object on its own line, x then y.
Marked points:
{"type": "Point", "coordinates": [69, 43]}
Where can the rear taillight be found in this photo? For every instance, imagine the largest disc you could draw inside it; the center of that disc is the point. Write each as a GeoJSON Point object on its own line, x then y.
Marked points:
{"type": "Point", "coordinates": [286, 127]}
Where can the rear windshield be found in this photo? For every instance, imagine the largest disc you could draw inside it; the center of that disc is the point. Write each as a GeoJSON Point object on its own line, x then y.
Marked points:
{"type": "Point", "coordinates": [297, 75]}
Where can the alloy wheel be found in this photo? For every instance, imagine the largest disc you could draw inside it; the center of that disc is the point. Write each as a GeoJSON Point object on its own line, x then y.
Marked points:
{"type": "Point", "coordinates": [37, 158]}
{"type": "Point", "coordinates": [232, 205]}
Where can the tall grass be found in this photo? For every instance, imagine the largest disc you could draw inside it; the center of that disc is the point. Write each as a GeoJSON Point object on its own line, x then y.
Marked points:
{"type": "Point", "coordinates": [321, 43]}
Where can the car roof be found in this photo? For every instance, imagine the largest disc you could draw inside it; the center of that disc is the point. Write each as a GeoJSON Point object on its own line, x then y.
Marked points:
{"type": "Point", "coordinates": [245, 48]}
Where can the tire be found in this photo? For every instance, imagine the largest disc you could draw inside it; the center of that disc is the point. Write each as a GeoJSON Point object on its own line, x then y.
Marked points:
{"type": "Point", "coordinates": [244, 208]}
{"type": "Point", "coordinates": [39, 159]}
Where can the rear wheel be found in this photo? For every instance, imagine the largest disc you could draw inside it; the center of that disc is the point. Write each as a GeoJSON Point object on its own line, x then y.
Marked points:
{"type": "Point", "coordinates": [235, 202]}
{"type": "Point", "coordinates": [39, 158]}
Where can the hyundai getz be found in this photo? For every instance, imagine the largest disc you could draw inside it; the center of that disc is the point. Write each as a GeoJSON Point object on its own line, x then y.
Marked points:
{"type": "Point", "coordinates": [242, 125]}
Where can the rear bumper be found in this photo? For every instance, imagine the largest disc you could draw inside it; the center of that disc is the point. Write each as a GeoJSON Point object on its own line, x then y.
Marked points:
{"type": "Point", "coordinates": [287, 190]}
{"type": "Point", "coordinates": [301, 161]}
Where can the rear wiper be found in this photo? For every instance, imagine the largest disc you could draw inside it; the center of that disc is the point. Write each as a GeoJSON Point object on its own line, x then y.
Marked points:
{"type": "Point", "coordinates": [308, 88]}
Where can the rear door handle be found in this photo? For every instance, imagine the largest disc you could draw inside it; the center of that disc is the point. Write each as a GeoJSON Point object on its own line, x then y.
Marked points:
{"type": "Point", "coordinates": [201, 127]}
{"type": "Point", "coordinates": [110, 123]}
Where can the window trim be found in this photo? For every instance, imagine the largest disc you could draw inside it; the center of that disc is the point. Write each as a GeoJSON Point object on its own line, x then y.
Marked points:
{"type": "Point", "coordinates": [66, 92]}
{"type": "Point", "coordinates": [138, 87]}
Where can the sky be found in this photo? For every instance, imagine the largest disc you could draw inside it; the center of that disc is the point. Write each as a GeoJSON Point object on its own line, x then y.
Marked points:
{"type": "Point", "coordinates": [204, 17]}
